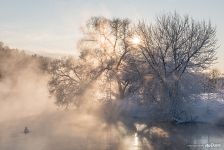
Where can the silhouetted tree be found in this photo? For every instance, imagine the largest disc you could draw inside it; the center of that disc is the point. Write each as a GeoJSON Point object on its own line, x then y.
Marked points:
{"type": "Point", "coordinates": [173, 46]}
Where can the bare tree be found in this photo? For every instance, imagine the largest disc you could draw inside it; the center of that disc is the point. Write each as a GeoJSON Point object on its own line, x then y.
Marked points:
{"type": "Point", "coordinates": [70, 78]}
{"type": "Point", "coordinates": [107, 44]}
{"type": "Point", "coordinates": [173, 46]}
{"type": "Point", "coordinates": [120, 59]}
{"type": "Point", "coordinates": [106, 60]}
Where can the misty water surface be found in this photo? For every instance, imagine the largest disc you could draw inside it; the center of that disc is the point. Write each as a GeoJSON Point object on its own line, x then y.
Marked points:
{"type": "Point", "coordinates": [71, 130]}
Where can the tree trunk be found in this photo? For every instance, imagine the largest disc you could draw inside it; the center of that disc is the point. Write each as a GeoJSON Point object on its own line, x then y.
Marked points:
{"type": "Point", "coordinates": [120, 91]}
{"type": "Point", "coordinates": [174, 100]}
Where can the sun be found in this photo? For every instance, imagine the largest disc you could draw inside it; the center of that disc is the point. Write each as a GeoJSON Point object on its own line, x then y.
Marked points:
{"type": "Point", "coordinates": [135, 40]}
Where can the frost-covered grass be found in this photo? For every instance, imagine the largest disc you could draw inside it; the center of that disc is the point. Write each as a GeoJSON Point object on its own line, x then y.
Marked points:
{"type": "Point", "coordinates": [205, 107]}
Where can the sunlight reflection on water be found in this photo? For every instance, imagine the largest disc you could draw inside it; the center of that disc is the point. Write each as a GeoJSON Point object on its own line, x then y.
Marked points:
{"type": "Point", "coordinates": [167, 136]}
{"type": "Point", "coordinates": [83, 136]}
{"type": "Point", "coordinates": [136, 140]}
{"type": "Point", "coordinates": [134, 143]}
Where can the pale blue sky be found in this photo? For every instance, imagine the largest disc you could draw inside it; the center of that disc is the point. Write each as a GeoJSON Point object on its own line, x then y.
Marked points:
{"type": "Point", "coordinates": [53, 25]}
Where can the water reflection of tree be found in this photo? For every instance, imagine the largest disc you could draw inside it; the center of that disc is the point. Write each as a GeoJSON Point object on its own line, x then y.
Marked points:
{"type": "Point", "coordinates": [162, 136]}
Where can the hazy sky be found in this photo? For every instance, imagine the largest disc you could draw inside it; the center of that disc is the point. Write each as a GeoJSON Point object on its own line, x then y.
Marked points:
{"type": "Point", "coordinates": [53, 25]}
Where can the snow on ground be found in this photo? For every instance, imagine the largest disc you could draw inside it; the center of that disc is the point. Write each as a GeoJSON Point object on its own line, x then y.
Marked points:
{"type": "Point", "coordinates": [207, 107]}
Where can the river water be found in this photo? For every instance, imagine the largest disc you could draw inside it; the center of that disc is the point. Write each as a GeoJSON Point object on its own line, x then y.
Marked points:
{"type": "Point", "coordinates": [68, 132]}
{"type": "Point", "coordinates": [164, 136]}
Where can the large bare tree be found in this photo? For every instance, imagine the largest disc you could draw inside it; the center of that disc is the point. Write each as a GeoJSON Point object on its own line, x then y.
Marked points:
{"type": "Point", "coordinates": [106, 63]}
{"type": "Point", "coordinates": [121, 59]}
{"type": "Point", "coordinates": [173, 46]}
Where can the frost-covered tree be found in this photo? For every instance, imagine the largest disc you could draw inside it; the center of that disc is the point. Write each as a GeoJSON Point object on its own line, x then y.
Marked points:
{"type": "Point", "coordinates": [107, 44]}
{"type": "Point", "coordinates": [211, 81]}
{"type": "Point", "coordinates": [152, 62]}
{"type": "Point", "coordinates": [70, 79]}
{"type": "Point", "coordinates": [106, 64]}
{"type": "Point", "coordinates": [173, 46]}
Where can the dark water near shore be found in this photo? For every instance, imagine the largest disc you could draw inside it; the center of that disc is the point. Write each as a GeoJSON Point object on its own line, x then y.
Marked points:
{"type": "Point", "coordinates": [57, 132]}
{"type": "Point", "coordinates": [181, 137]}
